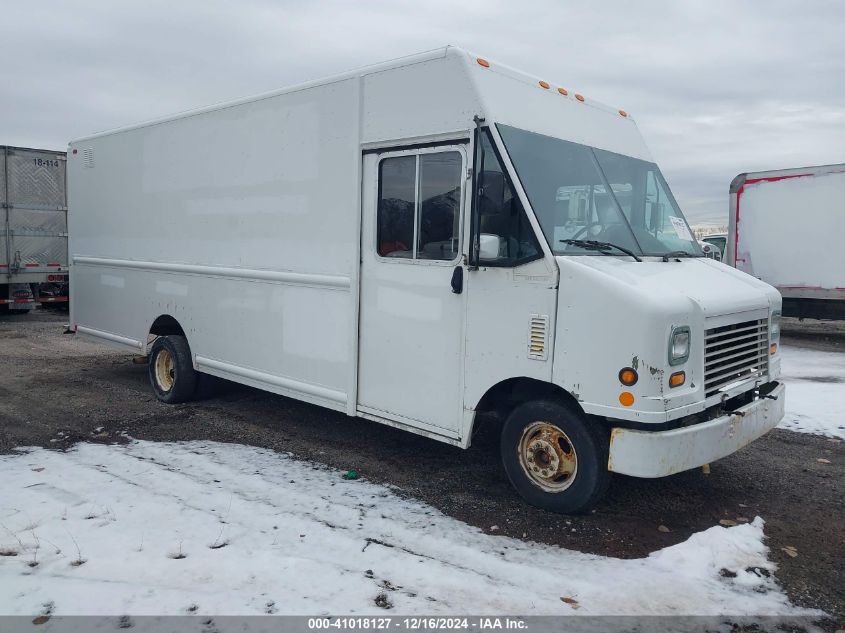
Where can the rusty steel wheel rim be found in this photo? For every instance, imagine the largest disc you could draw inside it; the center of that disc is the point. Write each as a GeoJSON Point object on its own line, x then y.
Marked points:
{"type": "Point", "coordinates": [165, 370]}
{"type": "Point", "coordinates": [547, 457]}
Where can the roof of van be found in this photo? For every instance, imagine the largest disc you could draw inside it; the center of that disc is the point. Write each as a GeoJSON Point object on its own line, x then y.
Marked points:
{"type": "Point", "coordinates": [479, 63]}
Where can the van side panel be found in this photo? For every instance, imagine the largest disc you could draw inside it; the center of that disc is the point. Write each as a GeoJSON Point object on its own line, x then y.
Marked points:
{"type": "Point", "coordinates": [240, 223]}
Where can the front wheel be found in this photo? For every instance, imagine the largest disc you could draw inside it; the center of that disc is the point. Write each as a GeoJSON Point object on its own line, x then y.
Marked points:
{"type": "Point", "coordinates": [555, 457]}
{"type": "Point", "coordinates": [171, 370]}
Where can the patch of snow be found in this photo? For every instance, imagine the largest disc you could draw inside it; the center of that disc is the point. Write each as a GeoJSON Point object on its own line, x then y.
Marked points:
{"type": "Point", "coordinates": [815, 391]}
{"type": "Point", "coordinates": [209, 528]}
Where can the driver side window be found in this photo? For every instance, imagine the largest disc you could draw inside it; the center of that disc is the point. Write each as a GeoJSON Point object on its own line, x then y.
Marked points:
{"type": "Point", "coordinates": [505, 237]}
{"type": "Point", "coordinates": [419, 206]}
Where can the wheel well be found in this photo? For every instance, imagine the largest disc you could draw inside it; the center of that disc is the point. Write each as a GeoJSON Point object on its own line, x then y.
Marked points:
{"type": "Point", "coordinates": [506, 395]}
{"type": "Point", "coordinates": [166, 325]}
{"type": "Point", "coordinates": [503, 397]}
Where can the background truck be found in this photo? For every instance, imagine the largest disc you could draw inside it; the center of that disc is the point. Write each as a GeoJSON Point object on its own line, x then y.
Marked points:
{"type": "Point", "coordinates": [719, 242]}
{"type": "Point", "coordinates": [33, 235]}
{"type": "Point", "coordinates": [420, 242]}
{"type": "Point", "coordinates": [787, 228]}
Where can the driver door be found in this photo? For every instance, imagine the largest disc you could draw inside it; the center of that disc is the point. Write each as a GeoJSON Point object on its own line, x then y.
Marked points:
{"type": "Point", "coordinates": [411, 321]}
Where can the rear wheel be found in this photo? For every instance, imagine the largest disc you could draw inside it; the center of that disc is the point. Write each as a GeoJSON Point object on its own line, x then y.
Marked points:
{"type": "Point", "coordinates": [171, 370]}
{"type": "Point", "coordinates": [555, 457]}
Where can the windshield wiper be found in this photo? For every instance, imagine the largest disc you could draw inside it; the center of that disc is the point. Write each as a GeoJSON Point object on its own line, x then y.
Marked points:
{"type": "Point", "coordinates": [666, 256]}
{"type": "Point", "coordinates": [601, 247]}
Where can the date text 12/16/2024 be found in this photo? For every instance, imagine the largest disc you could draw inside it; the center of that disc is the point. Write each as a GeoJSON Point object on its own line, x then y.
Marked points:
{"type": "Point", "coordinates": [417, 623]}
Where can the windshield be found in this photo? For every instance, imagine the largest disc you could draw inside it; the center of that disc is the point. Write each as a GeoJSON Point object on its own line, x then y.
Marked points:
{"type": "Point", "coordinates": [583, 193]}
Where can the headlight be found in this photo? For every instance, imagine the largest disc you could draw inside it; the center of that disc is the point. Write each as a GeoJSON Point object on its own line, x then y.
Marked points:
{"type": "Point", "coordinates": [679, 345]}
{"type": "Point", "coordinates": [774, 333]}
{"type": "Point", "coordinates": [774, 327]}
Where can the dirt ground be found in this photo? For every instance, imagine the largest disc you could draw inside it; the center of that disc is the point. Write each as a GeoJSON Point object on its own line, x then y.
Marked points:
{"type": "Point", "coordinates": [827, 336]}
{"type": "Point", "coordinates": [56, 389]}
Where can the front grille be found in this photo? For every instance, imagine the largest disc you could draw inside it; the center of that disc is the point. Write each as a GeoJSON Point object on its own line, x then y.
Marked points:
{"type": "Point", "coordinates": [734, 353]}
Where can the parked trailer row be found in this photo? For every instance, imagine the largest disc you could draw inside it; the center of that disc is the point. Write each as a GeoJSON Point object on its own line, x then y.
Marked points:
{"type": "Point", "coordinates": [33, 235]}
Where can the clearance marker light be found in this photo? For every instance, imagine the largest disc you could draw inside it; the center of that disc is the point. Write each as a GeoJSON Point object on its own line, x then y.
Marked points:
{"type": "Point", "coordinates": [677, 379]}
{"type": "Point", "coordinates": [544, 84]}
{"type": "Point", "coordinates": [579, 97]}
{"type": "Point", "coordinates": [628, 376]}
{"type": "Point", "coordinates": [563, 91]}
{"type": "Point", "coordinates": [482, 62]}
{"type": "Point", "coordinates": [623, 113]}
{"type": "Point", "coordinates": [626, 398]}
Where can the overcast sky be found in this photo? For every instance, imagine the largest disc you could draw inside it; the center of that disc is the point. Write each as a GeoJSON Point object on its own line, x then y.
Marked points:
{"type": "Point", "coordinates": [717, 87]}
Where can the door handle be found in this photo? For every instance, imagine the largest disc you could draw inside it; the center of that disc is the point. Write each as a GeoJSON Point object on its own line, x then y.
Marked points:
{"type": "Point", "coordinates": [458, 279]}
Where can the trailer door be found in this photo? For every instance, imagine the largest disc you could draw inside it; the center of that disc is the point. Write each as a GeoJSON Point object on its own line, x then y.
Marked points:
{"type": "Point", "coordinates": [36, 210]}
{"type": "Point", "coordinates": [411, 321]}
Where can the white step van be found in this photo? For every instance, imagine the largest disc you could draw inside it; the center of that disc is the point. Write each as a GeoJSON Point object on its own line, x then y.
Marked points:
{"type": "Point", "coordinates": [420, 242]}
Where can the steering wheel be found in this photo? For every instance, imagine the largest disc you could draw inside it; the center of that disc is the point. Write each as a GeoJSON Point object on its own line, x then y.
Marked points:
{"type": "Point", "coordinates": [586, 228]}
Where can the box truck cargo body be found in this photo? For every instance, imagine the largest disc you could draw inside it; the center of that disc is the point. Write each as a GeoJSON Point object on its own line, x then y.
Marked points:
{"type": "Point", "coordinates": [33, 235]}
{"type": "Point", "coordinates": [420, 242]}
{"type": "Point", "coordinates": [786, 228]}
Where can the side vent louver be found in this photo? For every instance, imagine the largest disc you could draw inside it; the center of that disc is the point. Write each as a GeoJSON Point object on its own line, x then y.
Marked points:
{"type": "Point", "coordinates": [88, 157]}
{"type": "Point", "coordinates": [538, 337]}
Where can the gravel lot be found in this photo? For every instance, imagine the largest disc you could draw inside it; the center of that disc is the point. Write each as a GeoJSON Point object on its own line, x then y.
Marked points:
{"type": "Point", "coordinates": [57, 389]}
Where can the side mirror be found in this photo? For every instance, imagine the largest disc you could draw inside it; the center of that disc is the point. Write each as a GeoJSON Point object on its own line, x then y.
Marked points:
{"type": "Point", "coordinates": [489, 246]}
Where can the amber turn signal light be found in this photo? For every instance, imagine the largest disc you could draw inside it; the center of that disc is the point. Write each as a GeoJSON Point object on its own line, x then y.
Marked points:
{"type": "Point", "coordinates": [628, 376]}
{"type": "Point", "coordinates": [773, 349]}
{"type": "Point", "coordinates": [626, 398]}
{"type": "Point", "coordinates": [677, 379]}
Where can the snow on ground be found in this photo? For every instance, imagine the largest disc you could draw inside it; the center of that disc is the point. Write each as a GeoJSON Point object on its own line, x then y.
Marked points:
{"type": "Point", "coordinates": [815, 391]}
{"type": "Point", "coordinates": [211, 528]}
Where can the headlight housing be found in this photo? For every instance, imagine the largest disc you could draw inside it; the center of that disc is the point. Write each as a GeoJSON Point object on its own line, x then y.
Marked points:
{"type": "Point", "coordinates": [679, 345]}
{"type": "Point", "coordinates": [774, 329]}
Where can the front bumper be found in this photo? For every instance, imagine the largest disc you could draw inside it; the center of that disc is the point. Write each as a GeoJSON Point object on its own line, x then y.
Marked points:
{"type": "Point", "coordinates": [661, 453]}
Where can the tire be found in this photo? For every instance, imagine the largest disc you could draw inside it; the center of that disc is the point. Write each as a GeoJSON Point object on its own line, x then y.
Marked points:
{"type": "Point", "coordinates": [171, 370]}
{"type": "Point", "coordinates": [569, 479]}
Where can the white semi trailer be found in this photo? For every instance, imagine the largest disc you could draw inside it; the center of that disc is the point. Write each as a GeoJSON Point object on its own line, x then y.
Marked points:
{"type": "Point", "coordinates": [786, 227]}
{"type": "Point", "coordinates": [419, 242]}
{"type": "Point", "coordinates": [33, 228]}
